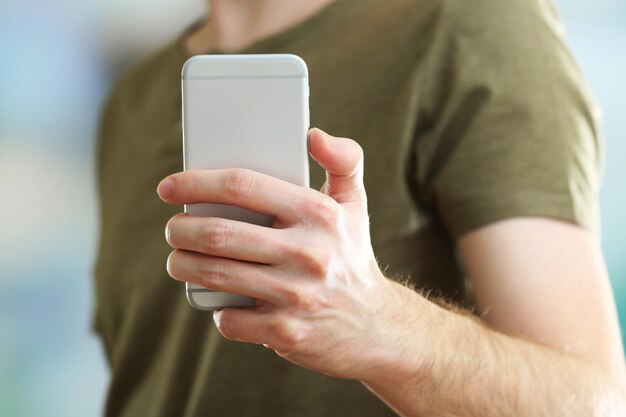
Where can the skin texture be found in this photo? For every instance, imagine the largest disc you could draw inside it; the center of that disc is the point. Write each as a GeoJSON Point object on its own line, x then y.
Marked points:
{"type": "Point", "coordinates": [520, 267]}
{"type": "Point", "coordinates": [325, 304]}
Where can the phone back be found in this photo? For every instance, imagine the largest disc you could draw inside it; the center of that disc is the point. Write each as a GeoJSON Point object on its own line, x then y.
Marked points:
{"type": "Point", "coordinates": [244, 111]}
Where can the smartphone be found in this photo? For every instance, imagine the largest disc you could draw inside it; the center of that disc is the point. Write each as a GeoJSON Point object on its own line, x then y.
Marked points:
{"type": "Point", "coordinates": [243, 111]}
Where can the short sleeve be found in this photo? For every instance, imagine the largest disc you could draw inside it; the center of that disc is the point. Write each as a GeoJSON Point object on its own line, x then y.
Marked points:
{"type": "Point", "coordinates": [508, 126]}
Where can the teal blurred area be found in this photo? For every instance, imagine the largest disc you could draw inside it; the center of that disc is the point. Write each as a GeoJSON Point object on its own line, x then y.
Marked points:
{"type": "Point", "coordinates": [597, 34]}
{"type": "Point", "coordinates": [57, 61]}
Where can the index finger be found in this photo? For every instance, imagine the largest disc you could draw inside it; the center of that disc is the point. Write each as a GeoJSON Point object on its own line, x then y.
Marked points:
{"type": "Point", "coordinates": [239, 187]}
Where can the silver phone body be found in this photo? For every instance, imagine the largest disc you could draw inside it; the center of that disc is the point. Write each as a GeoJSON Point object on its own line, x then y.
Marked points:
{"type": "Point", "coordinates": [243, 111]}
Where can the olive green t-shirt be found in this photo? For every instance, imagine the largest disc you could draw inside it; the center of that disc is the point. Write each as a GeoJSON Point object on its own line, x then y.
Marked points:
{"type": "Point", "coordinates": [469, 112]}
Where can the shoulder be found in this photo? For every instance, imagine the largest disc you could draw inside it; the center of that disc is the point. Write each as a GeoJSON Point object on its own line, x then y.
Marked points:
{"type": "Point", "coordinates": [508, 18]}
{"type": "Point", "coordinates": [133, 86]}
{"type": "Point", "coordinates": [474, 14]}
{"type": "Point", "coordinates": [499, 39]}
{"type": "Point", "coordinates": [467, 13]}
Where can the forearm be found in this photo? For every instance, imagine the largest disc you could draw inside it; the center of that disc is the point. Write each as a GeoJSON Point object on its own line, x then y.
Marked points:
{"type": "Point", "coordinates": [338, 314]}
{"type": "Point", "coordinates": [466, 369]}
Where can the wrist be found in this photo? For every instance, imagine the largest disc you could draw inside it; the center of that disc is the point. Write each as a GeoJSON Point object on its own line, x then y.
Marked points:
{"type": "Point", "coordinates": [404, 353]}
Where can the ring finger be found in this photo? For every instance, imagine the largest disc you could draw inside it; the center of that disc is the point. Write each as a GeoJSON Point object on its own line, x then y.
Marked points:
{"type": "Point", "coordinates": [228, 275]}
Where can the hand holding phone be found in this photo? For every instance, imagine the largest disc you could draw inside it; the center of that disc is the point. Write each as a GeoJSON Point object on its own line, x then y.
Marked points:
{"type": "Point", "coordinates": [321, 294]}
{"type": "Point", "coordinates": [243, 111]}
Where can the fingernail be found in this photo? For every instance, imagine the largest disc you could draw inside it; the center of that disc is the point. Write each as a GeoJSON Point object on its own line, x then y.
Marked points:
{"type": "Point", "coordinates": [321, 131]}
{"type": "Point", "coordinates": [165, 188]}
{"type": "Point", "coordinates": [217, 318]}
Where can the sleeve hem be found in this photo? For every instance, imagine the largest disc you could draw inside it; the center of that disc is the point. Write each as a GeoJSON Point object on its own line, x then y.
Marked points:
{"type": "Point", "coordinates": [521, 204]}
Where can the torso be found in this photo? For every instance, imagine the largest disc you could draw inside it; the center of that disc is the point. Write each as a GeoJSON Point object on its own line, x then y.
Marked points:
{"type": "Point", "coordinates": [365, 61]}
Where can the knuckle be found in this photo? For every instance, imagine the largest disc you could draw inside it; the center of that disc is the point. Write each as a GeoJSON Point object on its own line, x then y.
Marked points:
{"type": "Point", "coordinates": [238, 182]}
{"type": "Point", "coordinates": [216, 235]}
{"type": "Point", "coordinates": [302, 300]}
{"type": "Point", "coordinates": [315, 262]}
{"type": "Point", "coordinates": [291, 250]}
{"type": "Point", "coordinates": [325, 212]}
{"type": "Point", "coordinates": [288, 332]}
{"type": "Point", "coordinates": [190, 182]}
{"type": "Point", "coordinates": [211, 272]}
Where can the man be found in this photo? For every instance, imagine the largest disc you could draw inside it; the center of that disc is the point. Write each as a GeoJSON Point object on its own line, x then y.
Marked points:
{"type": "Point", "coordinates": [481, 160]}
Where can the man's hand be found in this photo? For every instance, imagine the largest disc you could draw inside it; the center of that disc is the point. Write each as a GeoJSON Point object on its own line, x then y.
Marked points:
{"type": "Point", "coordinates": [323, 302]}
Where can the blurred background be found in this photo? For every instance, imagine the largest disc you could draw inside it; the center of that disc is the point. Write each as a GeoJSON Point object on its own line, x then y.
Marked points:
{"type": "Point", "coordinates": [57, 62]}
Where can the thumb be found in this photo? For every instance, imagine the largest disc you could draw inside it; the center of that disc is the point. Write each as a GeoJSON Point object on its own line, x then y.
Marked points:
{"type": "Point", "coordinates": [343, 161]}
